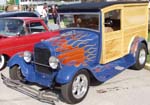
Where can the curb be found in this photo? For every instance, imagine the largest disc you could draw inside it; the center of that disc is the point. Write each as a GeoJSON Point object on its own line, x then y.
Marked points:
{"type": "Point", "coordinates": [147, 66]}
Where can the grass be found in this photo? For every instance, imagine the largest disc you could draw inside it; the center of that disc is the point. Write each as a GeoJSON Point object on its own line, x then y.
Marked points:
{"type": "Point", "coordinates": [51, 21]}
{"type": "Point", "coordinates": [148, 56]}
{"type": "Point", "coordinates": [148, 36]}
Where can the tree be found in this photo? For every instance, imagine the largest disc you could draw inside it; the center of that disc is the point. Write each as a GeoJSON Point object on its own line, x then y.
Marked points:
{"type": "Point", "coordinates": [11, 2]}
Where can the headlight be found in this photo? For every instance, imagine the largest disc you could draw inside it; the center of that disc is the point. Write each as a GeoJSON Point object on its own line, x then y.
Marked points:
{"type": "Point", "coordinates": [53, 62]}
{"type": "Point", "coordinates": [27, 56]}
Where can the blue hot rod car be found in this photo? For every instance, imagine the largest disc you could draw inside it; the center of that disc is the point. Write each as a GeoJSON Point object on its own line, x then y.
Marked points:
{"type": "Point", "coordinates": [98, 40]}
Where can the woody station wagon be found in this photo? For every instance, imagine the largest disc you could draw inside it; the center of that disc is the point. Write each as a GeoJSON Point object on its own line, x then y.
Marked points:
{"type": "Point", "coordinates": [97, 40]}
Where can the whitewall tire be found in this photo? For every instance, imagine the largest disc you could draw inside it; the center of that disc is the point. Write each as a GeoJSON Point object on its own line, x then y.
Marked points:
{"type": "Point", "coordinates": [2, 62]}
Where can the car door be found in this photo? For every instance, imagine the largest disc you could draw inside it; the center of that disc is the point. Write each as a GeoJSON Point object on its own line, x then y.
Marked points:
{"type": "Point", "coordinates": [112, 43]}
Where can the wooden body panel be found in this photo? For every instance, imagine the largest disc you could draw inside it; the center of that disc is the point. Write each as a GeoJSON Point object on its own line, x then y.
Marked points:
{"type": "Point", "coordinates": [130, 34]}
{"type": "Point", "coordinates": [133, 23]}
{"type": "Point", "coordinates": [113, 46]}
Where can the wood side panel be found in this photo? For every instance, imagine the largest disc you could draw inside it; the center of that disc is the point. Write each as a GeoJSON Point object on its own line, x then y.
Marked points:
{"type": "Point", "coordinates": [113, 49]}
{"type": "Point", "coordinates": [102, 59]}
{"type": "Point", "coordinates": [113, 46]}
{"type": "Point", "coordinates": [112, 35]}
{"type": "Point", "coordinates": [128, 37]}
{"type": "Point", "coordinates": [110, 41]}
{"type": "Point", "coordinates": [134, 16]}
{"type": "Point", "coordinates": [134, 22]}
{"type": "Point", "coordinates": [109, 8]}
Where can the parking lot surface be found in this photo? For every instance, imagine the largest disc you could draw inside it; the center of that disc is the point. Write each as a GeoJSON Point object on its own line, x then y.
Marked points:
{"type": "Point", "coordinates": [128, 88]}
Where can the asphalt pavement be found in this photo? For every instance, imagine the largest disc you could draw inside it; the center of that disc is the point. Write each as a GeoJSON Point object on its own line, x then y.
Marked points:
{"type": "Point", "coordinates": [128, 88]}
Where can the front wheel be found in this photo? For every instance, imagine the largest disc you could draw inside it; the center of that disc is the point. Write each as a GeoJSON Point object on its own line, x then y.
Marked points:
{"type": "Point", "coordinates": [75, 91]}
{"type": "Point", "coordinates": [2, 62]}
{"type": "Point", "coordinates": [141, 57]}
{"type": "Point", "coordinates": [15, 73]}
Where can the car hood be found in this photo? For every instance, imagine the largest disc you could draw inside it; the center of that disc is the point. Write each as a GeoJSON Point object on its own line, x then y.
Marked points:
{"type": "Point", "coordinates": [2, 36]}
{"type": "Point", "coordinates": [75, 47]}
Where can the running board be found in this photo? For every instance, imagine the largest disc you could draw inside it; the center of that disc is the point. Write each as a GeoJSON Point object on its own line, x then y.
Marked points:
{"type": "Point", "coordinates": [46, 96]}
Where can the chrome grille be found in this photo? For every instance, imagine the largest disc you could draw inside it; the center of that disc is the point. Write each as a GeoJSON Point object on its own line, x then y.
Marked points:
{"type": "Point", "coordinates": [41, 56]}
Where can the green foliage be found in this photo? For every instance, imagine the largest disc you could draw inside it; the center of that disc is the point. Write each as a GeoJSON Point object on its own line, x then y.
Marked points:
{"type": "Point", "coordinates": [51, 21]}
{"type": "Point", "coordinates": [148, 58]}
{"type": "Point", "coordinates": [11, 2]}
{"type": "Point", "coordinates": [1, 8]}
{"type": "Point", "coordinates": [149, 36]}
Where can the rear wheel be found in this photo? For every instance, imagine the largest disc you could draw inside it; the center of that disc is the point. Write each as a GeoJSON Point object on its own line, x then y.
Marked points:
{"type": "Point", "coordinates": [141, 57]}
{"type": "Point", "coordinates": [76, 90]}
{"type": "Point", "coordinates": [15, 73]}
{"type": "Point", "coordinates": [2, 62]}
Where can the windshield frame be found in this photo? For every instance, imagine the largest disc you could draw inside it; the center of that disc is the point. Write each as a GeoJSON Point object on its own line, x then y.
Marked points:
{"type": "Point", "coordinates": [81, 13]}
{"type": "Point", "coordinates": [4, 30]}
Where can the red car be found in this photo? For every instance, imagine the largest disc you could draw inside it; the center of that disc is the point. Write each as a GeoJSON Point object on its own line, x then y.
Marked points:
{"type": "Point", "coordinates": [20, 34]}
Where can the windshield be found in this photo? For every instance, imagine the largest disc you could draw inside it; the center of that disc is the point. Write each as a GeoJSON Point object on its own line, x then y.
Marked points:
{"type": "Point", "coordinates": [68, 20]}
{"type": "Point", "coordinates": [10, 27]}
{"type": "Point", "coordinates": [35, 27]}
{"type": "Point", "coordinates": [90, 21]}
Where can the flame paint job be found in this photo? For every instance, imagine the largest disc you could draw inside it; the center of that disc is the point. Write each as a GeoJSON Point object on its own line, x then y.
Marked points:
{"type": "Point", "coordinates": [76, 47]}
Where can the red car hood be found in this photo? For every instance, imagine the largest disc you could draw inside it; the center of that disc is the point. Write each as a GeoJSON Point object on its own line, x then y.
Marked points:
{"type": "Point", "coordinates": [2, 36]}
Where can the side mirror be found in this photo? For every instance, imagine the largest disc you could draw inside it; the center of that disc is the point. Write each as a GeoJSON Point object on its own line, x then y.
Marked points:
{"type": "Point", "coordinates": [109, 23]}
{"type": "Point", "coordinates": [18, 34]}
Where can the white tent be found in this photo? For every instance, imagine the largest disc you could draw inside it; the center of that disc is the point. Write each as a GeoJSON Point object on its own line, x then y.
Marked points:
{"type": "Point", "coordinates": [3, 2]}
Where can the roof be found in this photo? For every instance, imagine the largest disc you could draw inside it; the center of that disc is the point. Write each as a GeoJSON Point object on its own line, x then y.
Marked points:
{"type": "Point", "coordinates": [24, 18]}
{"type": "Point", "coordinates": [17, 13]}
{"type": "Point", "coordinates": [14, 12]}
{"type": "Point", "coordinates": [91, 6]}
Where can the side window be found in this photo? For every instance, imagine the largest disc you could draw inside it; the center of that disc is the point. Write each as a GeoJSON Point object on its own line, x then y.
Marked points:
{"type": "Point", "coordinates": [112, 20]}
{"type": "Point", "coordinates": [35, 27]}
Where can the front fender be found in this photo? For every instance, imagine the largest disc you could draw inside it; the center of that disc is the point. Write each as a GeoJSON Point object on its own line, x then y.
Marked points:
{"type": "Point", "coordinates": [66, 74]}
{"type": "Point", "coordinates": [15, 60]}
{"type": "Point", "coordinates": [18, 60]}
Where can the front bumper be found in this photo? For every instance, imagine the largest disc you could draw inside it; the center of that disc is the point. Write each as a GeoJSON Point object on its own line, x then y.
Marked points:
{"type": "Point", "coordinates": [39, 94]}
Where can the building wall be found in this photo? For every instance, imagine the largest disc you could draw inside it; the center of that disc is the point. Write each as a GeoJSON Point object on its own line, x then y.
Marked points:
{"type": "Point", "coordinates": [110, 0]}
{"type": "Point", "coordinates": [37, 2]}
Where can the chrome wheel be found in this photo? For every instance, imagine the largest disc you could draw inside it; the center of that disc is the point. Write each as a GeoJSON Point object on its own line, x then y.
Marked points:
{"type": "Point", "coordinates": [142, 56]}
{"type": "Point", "coordinates": [79, 86]}
{"type": "Point", "coordinates": [2, 61]}
{"type": "Point", "coordinates": [76, 90]}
